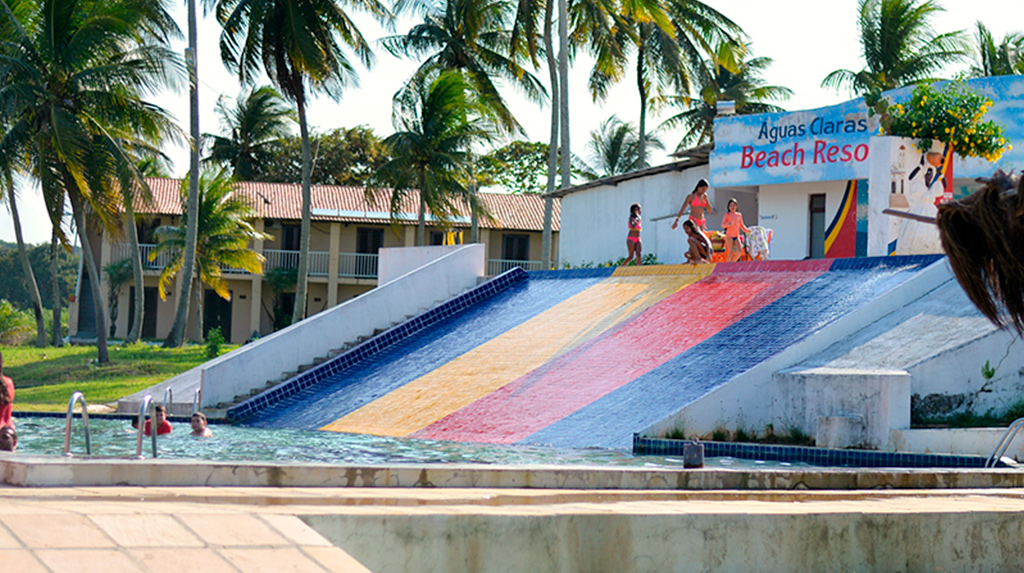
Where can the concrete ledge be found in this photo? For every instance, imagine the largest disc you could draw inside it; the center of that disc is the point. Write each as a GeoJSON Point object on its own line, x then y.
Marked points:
{"type": "Point", "coordinates": [52, 471]}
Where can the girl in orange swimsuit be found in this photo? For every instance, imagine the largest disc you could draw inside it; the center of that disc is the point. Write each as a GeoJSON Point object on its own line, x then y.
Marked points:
{"type": "Point", "coordinates": [732, 222]}
{"type": "Point", "coordinates": [699, 206]}
{"type": "Point", "coordinates": [633, 246]}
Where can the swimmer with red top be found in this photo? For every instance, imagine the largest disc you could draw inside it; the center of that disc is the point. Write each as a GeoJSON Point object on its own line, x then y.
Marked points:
{"type": "Point", "coordinates": [699, 205]}
{"type": "Point", "coordinates": [633, 246]}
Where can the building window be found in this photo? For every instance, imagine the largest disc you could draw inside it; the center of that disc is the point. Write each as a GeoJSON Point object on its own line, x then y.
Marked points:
{"type": "Point", "coordinates": [436, 238]}
{"type": "Point", "coordinates": [290, 235]}
{"type": "Point", "coordinates": [515, 247]}
{"type": "Point", "coordinates": [147, 231]}
{"type": "Point", "coordinates": [369, 241]}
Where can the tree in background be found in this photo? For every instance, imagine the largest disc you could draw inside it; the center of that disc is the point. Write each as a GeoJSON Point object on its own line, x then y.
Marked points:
{"type": "Point", "coordinates": [224, 231]}
{"type": "Point", "coordinates": [28, 276]}
{"type": "Point", "coordinates": [342, 156]}
{"type": "Point", "coordinates": [991, 59]}
{"type": "Point", "coordinates": [670, 41]}
{"type": "Point", "coordinates": [298, 44]}
{"type": "Point", "coordinates": [253, 129]}
{"type": "Point", "coordinates": [74, 74]}
{"type": "Point", "coordinates": [471, 36]}
{"type": "Point", "coordinates": [437, 123]}
{"type": "Point", "coordinates": [615, 147]}
{"type": "Point", "coordinates": [12, 288]}
{"type": "Point", "coordinates": [900, 47]}
{"type": "Point", "coordinates": [119, 274]}
{"type": "Point", "coordinates": [518, 167]}
{"type": "Point", "coordinates": [729, 75]}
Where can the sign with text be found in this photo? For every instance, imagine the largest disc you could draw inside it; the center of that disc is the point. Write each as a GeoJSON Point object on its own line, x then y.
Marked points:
{"type": "Point", "coordinates": [817, 145]}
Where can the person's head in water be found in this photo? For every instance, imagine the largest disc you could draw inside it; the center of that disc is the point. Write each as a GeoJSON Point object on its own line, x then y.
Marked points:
{"type": "Point", "coordinates": [160, 415]}
{"type": "Point", "coordinates": [8, 439]}
{"type": "Point", "coordinates": [199, 424]}
{"type": "Point", "coordinates": [732, 203]}
{"type": "Point", "coordinates": [634, 209]}
{"type": "Point", "coordinates": [701, 187]}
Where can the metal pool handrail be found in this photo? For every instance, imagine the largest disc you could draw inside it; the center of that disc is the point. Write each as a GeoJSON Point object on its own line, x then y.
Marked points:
{"type": "Point", "coordinates": [1004, 443]}
{"type": "Point", "coordinates": [147, 402]}
{"type": "Point", "coordinates": [168, 398]}
{"type": "Point", "coordinates": [75, 397]}
{"type": "Point", "coordinates": [197, 400]}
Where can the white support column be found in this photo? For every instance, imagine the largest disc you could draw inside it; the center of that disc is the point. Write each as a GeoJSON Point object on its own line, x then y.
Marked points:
{"type": "Point", "coordinates": [332, 265]}
{"type": "Point", "coordinates": [255, 308]}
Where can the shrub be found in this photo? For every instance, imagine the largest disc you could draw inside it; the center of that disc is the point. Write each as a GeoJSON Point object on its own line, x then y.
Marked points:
{"type": "Point", "coordinates": [214, 342]}
{"type": "Point", "coordinates": [15, 325]}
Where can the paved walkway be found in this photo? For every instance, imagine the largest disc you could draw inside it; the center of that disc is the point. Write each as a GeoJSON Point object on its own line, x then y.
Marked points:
{"type": "Point", "coordinates": [114, 529]}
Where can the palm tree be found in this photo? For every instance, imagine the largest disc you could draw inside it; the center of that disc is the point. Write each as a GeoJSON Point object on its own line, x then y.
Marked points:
{"type": "Point", "coordinates": [729, 78]}
{"type": "Point", "coordinates": [223, 230]}
{"type": "Point", "coordinates": [257, 122]}
{"type": "Point", "coordinates": [472, 36]}
{"type": "Point", "coordinates": [670, 39]}
{"type": "Point", "coordinates": [296, 42]}
{"type": "Point", "coordinates": [615, 147]}
{"type": "Point", "coordinates": [73, 77]}
{"type": "Point", "coordinates": [1003, 59]}
{"type": "Point", "coordinates": [26, 266]}
{"type": "Point", "coordinates": [436, 125]}
{"type": "Point", "coordinates": [900, 47]}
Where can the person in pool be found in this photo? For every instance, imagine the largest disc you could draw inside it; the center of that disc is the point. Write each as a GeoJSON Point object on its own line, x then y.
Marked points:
{"type": "Point", "coordinates": [732, 222]}
{"type": "Point", "coordinates": [700, 245]}
{"type": "Point", "coordinates": [162, 425]}
{"type": "Point", "coordinates": [633, 246]}
{"type": "Point", "coordinates": [199, 426]}
{"type": "Point", "coordinates": [8, 439]}
{"type": "Point", "coordinates": [699, 205]}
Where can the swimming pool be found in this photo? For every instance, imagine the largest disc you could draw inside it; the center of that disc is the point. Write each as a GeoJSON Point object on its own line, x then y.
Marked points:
{"type": "Point", "coordinates": [113, 437]}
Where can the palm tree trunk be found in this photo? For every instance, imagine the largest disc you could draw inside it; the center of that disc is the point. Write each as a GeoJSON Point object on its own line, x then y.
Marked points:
{"type": "Point", "coordinates": [77, 209]}
{"type": "Point", "coordinates": [26, 267]}
{"type": "Point", "coordinates": [421, 225]}
{"type": "Point", "coordinates": [641, 148]}
{"type": "Point", "coordinates": [57, 335]}
{"type": "Point", "coordinates": [299, 312]}
{"type": "Point", "coordinates": [177, 335]}
{"type": "Point", "coordinates": [563, 86]}
{"type": "Point", "coordinates": [135, 329]}
{"type": "Point", "coordinates": [474, 219]}
{"type": "Point", "coordinates": [197, 288]}
{"type": "Point", "coordinates": [545, 248]}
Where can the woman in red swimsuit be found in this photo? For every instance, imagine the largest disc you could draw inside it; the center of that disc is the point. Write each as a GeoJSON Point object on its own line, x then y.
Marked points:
{"type": "Point", "coordinates": [699, 206]}
{"type": "Point", "coordinates": [633, 246]}
{"type": "Point", "coordinates": [732, 222]}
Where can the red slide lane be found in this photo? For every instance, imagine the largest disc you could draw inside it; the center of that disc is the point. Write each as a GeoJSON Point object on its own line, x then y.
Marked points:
{"type": "Point", "coordinates": [558, 389]}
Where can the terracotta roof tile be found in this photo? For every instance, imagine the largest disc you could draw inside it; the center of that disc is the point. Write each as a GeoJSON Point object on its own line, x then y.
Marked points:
{"type": "Point", "coordinates": [283, 201]}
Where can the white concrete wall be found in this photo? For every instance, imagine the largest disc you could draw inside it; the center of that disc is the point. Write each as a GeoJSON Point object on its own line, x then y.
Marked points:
{"type": "Point", "coordinates": [842, 407]}
{"type": "Point", "coordinates": [593, 227]}
{"type": "Point", "coordinates": [745, 400]}
{"type": "Point", "coordinates": [959, 441]}
{"type": "Point", "coordinates": [397, 261]}
{"type": "Point", "coordinates": [786, 210]}
{"type": "Point", "coordinates": [252, 365]}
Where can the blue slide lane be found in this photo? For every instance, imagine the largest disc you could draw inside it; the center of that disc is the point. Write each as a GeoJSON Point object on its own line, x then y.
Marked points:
{"type": "Point", "coordinates": [611, 421]}
{"type": "Point", "coordinates": [423, 352]}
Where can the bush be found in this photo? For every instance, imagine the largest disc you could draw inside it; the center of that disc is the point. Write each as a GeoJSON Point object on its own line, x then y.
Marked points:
{"type": "Point", "coordinates": [16, 326]}
{"type": "Point", "coordinates": [214, 342]}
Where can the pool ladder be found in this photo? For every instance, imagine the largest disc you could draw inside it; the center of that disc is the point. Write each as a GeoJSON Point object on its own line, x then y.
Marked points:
{"type": "Point", "coordinates": [147, 404]}
{"type": "Point", "coordinates": [75, 398]}
{"type": "Point", "coordinates": [1004, 443]}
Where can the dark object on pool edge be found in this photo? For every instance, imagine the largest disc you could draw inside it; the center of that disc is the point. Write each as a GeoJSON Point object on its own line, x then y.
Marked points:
{"type": "Point", "coordinates": [982, 235]}
{"type": "Point", "coordinates": [693, 454]}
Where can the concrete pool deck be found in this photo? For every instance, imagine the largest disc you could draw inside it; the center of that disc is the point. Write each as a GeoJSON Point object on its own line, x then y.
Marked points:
{"type": "Point", "coordinates": [123, 528]}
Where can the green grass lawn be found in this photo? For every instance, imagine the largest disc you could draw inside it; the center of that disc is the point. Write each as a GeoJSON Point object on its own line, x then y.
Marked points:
{"type": "Point", "coordinates": [45, 378]}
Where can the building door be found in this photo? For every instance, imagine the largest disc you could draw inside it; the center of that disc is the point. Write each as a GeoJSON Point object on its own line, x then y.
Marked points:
{"type": "Point", "coordinates": [149, 305]}
{"type": "Point", "coordinates": [216, 312]}
{"type": "Point", "coordinates": [368, 242]}
{"type": "Point", "coordinates": [817, 233]}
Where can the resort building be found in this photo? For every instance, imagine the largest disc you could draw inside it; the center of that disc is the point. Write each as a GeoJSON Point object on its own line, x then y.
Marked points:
{"type": "Point", "coordinates": [347, 232]}
{"type": "Point", "coordinates": [819, 179]}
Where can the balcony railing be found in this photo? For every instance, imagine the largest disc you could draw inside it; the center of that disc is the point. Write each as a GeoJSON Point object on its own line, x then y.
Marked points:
{"type": "Point", "coordinates": [119, 251]}
{"type": "Point", "coordinates": [350, 265]}
{"type": "Point", "coordinates": [498, 266]}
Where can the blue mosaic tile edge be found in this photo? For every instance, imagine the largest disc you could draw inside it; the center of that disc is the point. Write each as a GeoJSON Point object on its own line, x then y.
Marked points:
{"type": "Point", "coordinates": [597, 273]}
{"type": "Point", "coordinates": [809, 455]}
{"type": "Point", "coordinates": [374, 345]}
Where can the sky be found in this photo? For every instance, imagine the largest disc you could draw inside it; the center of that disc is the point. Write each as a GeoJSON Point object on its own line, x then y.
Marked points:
{"type": "Point", "coordinates": [807, 39]}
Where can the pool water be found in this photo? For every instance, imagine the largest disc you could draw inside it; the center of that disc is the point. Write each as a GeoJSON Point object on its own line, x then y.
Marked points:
{"type": "Point", "coordinates": [116, 438]}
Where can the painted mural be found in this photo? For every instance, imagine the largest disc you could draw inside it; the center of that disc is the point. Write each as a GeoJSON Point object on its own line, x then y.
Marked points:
{"type": "Point", "coordinates": [833, 143]}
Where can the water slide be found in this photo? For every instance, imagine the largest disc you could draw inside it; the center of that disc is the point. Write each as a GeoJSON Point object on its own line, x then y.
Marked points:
{"type": "Point", "coordinates": [587, 357]}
